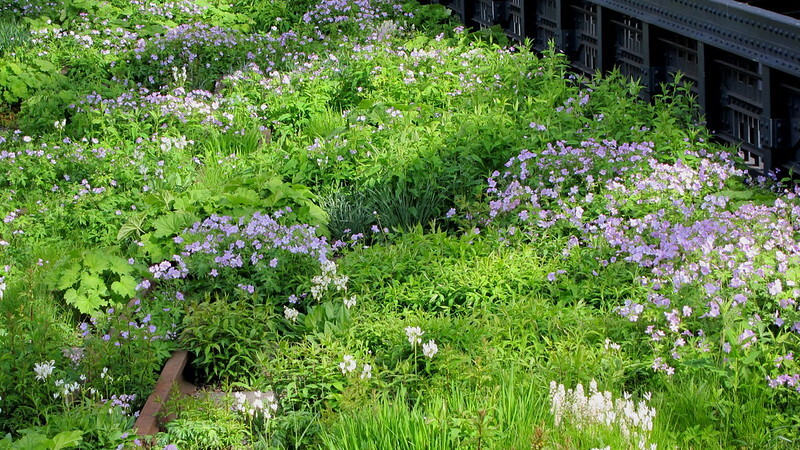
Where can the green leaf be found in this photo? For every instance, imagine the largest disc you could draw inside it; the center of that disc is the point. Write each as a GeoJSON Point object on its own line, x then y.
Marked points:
{"type": "Point", "coordinates": [243, 196]}
{"type": "Point", "coordinates": [17, 87]}
{"type": "Point", "coordinates": [89, 304]}
{"type": "Point", "coordinates": [119, 265]}
{"type": "Point", "coordinates": [90, 282]}
{"type": "Point", "coordinates": [153, 250]}
{"type": "Point", "coordinates": [71, 297]}
{"type": "Point", "coordinates": [751, 357]}
{"type": "Point", "coordinates": [45, 66]}
{"type": "Point", "coordinates": [96, 262]}
{"type": "Point", "coordinates": [67, 439]}
{"type": "Point", "coordinates": [173, 223]}
{"type": "Point", "coordinates": [15, 68]}
{"type": "Point", "coordinates": [69, 276]}
{"type": "Point", "coordinates": [33, 441]}
{"type": "Point", "coordinates": [133, 226]}
{"type": "Point", "coordinates": [125, 287]}
{"type": "Point", "coordinates": [160, 200]}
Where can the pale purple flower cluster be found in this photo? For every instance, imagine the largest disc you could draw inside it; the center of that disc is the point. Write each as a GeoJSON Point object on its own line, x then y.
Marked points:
{"type": "Point", "coordinates": [170, 270]}
{"type": "Point", "coordinates": [700, 250]}
{"type": "Point", "coordinates": [361, 12]}
{"type": "Point", "coordinates": [251, 239]}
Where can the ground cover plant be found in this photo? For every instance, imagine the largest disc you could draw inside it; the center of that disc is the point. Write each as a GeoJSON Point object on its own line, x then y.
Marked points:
{"type": "Point", "coordinates": [396, 232]}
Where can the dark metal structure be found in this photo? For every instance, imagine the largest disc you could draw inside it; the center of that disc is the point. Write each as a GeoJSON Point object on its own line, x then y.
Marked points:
{"type": "Point", "coordinates": [742, 57]}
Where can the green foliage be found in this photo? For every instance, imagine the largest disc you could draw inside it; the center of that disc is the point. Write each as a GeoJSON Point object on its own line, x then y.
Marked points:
{"type": "Point", "coordinates": [329, 318]}
{"type": "Point", "coordinates": [509, 414]}
{"type": "Point", "coordinates": [225, 337]}
{"type": "Point", "coordinates": [37, 441]}
{"type": "Point", "coordinates": [32, 330]}
{"type": "Point", "coordinates": [202, 423]}
{"type": "Point", "coordinates": [12, 35]}
{"type": "Point", "coordinates": [348, 213]}
{"type": "Point", "coordinates": [305, 373]}
{"type": "Point", "coordinates": [86, 426]}
{"type": "Point", "coordinates": [94, 280]}
{"type": "Point", "coordinates": [384, 123]}
{"type": "Point", "coordinates": [19, 80]}
{"type": "Point", "coordinates": [440, 273]}
{"type": "Point", "coordinates": [168, 213]}
{"type": "Point", "coordinates": [402, 204]}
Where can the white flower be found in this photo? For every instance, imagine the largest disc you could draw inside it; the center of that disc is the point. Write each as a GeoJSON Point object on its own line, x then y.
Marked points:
{"type": "Point", "coordinates": [258, 404]}
{"type": "Point", "coordinates": [634, 421]}
{"type": "Point", "coordinates": [430, 349]}
{"type": "Point", "coordinates": [290, 313]}
{"type": "Point", "coordinates": [414, 335]}
{"type": "Point", "coordinates": [348, 365]}
{"type": "Point", "coordinates": [273, 402]}
{"type": "Point", "coordinates": [366, 372]}
{"type": "Point", "coordinates": [350, 302]}
{"type": "Point", "coordinates": [44, 369]}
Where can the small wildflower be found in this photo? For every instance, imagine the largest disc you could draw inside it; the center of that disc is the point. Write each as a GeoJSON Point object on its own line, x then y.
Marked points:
{"type": "Point", "coordinates": [414, 335]}
{"type": "Point", "coordinates": [348, 365]}
{"type": "Point", "coordinates": [290, 313]}
{"type": "Point", "coordinates": [430, 349]}
{"type": "Point", "coordinates": [366, 372]}
{"type": "Point", "coordinates": [44, 370]}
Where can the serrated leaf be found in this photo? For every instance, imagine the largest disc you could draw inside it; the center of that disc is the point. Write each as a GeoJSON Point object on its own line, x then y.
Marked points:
{"type": "Point", "coordinates": [71, 297]}
{"type": "Point", "coordinates": [15, 68]}
{"type": "Point", "coordinates": [95, 261]}
{"type": "Point", "coordinates": [243, 196]}
{"type": "Point", "coordinates": [155, 251]}
{"type": "Point", "coordinates": [33, 441]}
{"type": "Point", "coordinates": [67, 439]}
{"type": "Point", "coordinates": [89, 304]}
{"type": "Point", "coordinates": [172, 224]}
{"type": "Point", "coordinates": [91, 282]}
{"type": "Point", "coordinates": [119, 265]}
{"type": "Point", "coordinates": [69, 276]}
{"type": "Point", "coordinates": [44, 65]}
{"type": "Point", "coordinates": [125, 287]}
{"type": "Point", "coordinates": [160, 200]}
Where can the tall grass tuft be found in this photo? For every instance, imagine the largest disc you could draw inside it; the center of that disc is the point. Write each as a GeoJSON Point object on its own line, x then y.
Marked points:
{"type": "Point", "coordinates": [507, 414]}
{"type": "Point", "coordinates": [12, 35]}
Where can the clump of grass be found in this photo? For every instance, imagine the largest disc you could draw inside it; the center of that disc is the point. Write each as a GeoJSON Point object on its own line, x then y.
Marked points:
{"type": "Point", "coordinates": [12, 35]}
{"type": "Point", "coordinates": [348, 213]}
{"type": "Point", "coordinates": [506, 415]}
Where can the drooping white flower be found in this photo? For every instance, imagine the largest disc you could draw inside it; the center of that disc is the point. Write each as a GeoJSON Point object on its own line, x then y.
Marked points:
{"type": "Point", "coordinates": [44, 369]}
{"type": "Point", "coordinates": [348, 365]}
{"type": "Point", "coordinates": [430, 349]}
{"type": "Point", "coordinates": [634, 421]}
{"type": "Point", "coordinates": [350, 302]}
{"type": "Point", "coordinates": [290, 313]}
{"type": "Point", "coordinates": [414, 335]}
{"type": "Point", "coordinates": [366, 372]}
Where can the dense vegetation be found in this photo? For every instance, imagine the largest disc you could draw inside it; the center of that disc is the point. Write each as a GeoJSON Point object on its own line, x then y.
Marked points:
{"type": "Point", "coordinates": [397, 232]}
